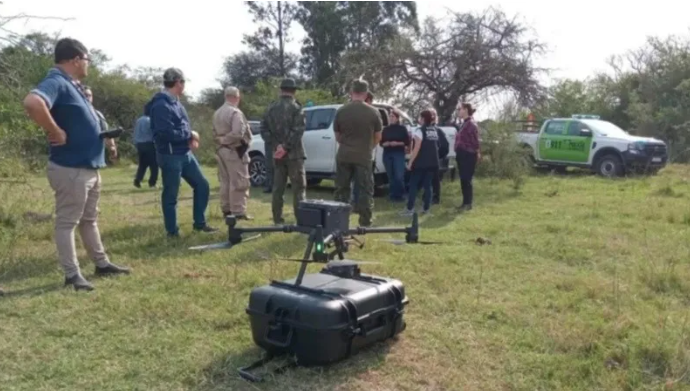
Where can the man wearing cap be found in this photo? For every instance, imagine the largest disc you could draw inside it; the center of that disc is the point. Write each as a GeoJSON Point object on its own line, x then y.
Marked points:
{"type": "Point", "coordinates": [357, 127]}
{"type": "Point", "coordinates": [174, 142]}
{"type": "Point", "coordinates": [60, 106]}
{"type": "Point", "coordinates": [283, 126]}
{"type": "Point", "coordinates": [233, 137]}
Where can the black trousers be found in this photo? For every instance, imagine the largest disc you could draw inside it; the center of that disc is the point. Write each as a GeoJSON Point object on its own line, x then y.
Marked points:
{"type": "Point", "coordinates": [147, 160]}
{"type": "Point", "coordinates": [436, 185]}
{"type": "Point", "coordinates": [466, 162]}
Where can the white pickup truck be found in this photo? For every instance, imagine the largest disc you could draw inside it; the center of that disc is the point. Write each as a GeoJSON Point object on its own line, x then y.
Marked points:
{"type": "Point", "coordinates": [320, 146]}
{"type": "Point", "coordinates": [587, 141]}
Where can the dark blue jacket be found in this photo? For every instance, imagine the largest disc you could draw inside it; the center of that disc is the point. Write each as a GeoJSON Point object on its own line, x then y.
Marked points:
{"type": "Point", "coordinates": [169, 124]}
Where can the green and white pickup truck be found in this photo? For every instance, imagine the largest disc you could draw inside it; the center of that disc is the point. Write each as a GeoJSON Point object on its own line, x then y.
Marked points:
{"type": "Point", "coordinates": [586, 141]}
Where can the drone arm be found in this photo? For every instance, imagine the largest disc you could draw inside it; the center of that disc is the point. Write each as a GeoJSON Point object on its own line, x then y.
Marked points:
{"type": "Point", "coordinates": [411, 233]}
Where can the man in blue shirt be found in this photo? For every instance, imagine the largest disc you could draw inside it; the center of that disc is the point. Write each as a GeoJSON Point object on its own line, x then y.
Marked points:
{"type": "Point", "coordinates": [175, 140]}
{"type": "Point", "coordinates": [60, 106]}
{"type": "Point", "coordinates": [143, 140]}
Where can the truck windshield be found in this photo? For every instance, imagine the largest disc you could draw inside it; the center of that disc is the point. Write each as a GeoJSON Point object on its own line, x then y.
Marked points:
{"type": "Point", "coordinates": [607, 129]}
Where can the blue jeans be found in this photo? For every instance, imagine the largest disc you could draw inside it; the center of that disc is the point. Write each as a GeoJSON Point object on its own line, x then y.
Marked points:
{"type": "Point", "coordinates": [394, 161]}
{"type": "Point", "coordinates": [420, 178]}
{"type": "Point", "coordinates": [173, 169]}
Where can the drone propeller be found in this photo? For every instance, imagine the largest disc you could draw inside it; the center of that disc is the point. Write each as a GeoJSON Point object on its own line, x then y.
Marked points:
{"type": "Point", "coordinates": [215, 246]}
{"type": "Point", "coordinates": [400, 242]}
{"type": "Point", "coordinates": [223, 245]}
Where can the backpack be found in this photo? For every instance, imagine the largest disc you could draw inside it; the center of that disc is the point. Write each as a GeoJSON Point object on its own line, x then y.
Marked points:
{"type": "Point", "coordinates": [443, 145]}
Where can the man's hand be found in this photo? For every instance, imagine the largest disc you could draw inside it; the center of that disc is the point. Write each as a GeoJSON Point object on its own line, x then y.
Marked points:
{"type": "Point", "coordinates": [57, 137]}
{"type": "Point", "coordinates": [112, 148]}
{"type": "Point", "coordinates": [479, 156]}
{"type": "Point", "coordinates": [194, 141]}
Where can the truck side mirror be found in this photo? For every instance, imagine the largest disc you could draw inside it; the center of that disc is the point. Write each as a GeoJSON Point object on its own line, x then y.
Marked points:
{"type": "Point", "coordinates": [585, 133]}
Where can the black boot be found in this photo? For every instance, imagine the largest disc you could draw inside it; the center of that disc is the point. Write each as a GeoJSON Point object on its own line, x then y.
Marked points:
{"type": "Point", "coordinates": [206, 229]}
{"type": "Point", "coordinates": [111, 270]}
{"type": "Point", "coordinates": [79, 283]}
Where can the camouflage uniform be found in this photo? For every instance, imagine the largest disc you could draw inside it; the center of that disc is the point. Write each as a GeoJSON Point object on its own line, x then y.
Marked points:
{"type": "Point", "coordinates": [268, 152]}
{"type": "Point", "coordinates": [355, 125]}
{"type": "Point", "coordinates": [283, 124]}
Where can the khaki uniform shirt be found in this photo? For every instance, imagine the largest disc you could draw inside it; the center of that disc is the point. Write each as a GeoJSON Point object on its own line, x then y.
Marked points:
{"type": "Point", "coordinates": [230, 127]}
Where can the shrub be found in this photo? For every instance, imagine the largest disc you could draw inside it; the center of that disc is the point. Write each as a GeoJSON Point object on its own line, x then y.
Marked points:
{"type": "Point", "coordinates": [502, 156]}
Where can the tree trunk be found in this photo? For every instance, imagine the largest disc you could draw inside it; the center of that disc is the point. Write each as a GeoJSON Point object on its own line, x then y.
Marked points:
{"type": "Point", "coordinates": [281, 48]}
{"type": "Point", "coordinates": [445, 108]}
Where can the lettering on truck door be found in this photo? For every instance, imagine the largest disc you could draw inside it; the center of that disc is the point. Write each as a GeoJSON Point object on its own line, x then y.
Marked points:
{"type": "Point", "coordinates": [552, 140]}
{"type": "Point", "coordinates": [576, 147]}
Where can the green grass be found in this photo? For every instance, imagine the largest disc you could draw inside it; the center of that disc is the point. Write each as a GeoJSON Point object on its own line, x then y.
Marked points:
{"type": "Point", "coordinates": [585, 286]}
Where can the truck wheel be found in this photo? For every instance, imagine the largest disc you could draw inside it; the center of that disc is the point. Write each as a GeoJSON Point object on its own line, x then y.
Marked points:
{"type": "Point", "coordinates": [257, 171]}
{"type": "Point", "coordinates": [609, 166]}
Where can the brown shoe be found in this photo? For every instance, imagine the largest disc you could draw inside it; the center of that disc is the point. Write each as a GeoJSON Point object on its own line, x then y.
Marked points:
{"type": "Point", "coordinates": [244, 217]}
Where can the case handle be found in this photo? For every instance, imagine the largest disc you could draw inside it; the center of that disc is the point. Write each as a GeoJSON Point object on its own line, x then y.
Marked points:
{"type": "Point", "coordinates": [277, 343]}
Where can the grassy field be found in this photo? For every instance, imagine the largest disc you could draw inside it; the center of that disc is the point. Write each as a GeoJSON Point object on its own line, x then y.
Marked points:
{"type": "Point", "coordinates": [585, 286]}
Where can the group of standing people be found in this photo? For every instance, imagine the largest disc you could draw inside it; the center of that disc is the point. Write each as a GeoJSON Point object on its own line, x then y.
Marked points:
{"type": "Point", "coordinates": [165, 141]}
{"type": "Point", "coordinates": [428, 148]}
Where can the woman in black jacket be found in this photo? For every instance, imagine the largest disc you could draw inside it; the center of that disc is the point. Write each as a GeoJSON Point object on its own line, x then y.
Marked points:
{"type": "Point", "coordinates": [443, 160]}
{"type": "Point", "coordinates": [423, 162]}
{"type": "Point", "coordinates": [394, 140]}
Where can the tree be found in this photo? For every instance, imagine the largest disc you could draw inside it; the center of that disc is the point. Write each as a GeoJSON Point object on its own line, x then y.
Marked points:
{"type": "Point", "coordinates": [275, 19]}
{"type": "Point", "coordinates": [324, 42]}
{"type": "Point", "coordinates": [342, 37]}
{"type": "Point", "coordinates": [245, 69]}
{"type": "Point", "coordinates": [659, 72]}
{"type": "Point", "coordinates": [473, 54]}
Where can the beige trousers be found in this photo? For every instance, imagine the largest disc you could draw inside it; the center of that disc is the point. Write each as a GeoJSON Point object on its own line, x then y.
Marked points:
{"type": "Point", "coordinates": [233, 175]}
{"type": "Point", "coordinates": [77, 192]}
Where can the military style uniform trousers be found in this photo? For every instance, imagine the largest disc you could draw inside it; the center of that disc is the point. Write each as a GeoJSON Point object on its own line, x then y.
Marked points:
{"type": "Point", "coordinates": [282, 170]}
{"type": "Point", "coordinates": [233, 175]}
{"type": "Point", "coordinates": [363, 176]}
{"type": "Point", "coordinates": [268, 150]}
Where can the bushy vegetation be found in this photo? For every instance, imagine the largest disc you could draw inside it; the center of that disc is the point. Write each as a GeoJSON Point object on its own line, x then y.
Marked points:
{"type": "Point", "coordinates": [120, 94]}
{"type": "Point", "coordinates": [502, 156]}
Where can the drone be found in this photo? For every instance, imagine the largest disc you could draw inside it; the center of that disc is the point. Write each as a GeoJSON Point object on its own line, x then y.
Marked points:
{"type": "Point", "coordinates": [327, 225]}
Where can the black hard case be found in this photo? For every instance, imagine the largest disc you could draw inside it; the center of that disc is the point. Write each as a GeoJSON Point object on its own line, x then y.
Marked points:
{"type": "Point", "coordinates": [327, 318]}
{"type": "Point", "coordinates": [332, 216]}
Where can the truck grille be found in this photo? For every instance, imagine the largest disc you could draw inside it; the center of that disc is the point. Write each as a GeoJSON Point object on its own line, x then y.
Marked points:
{"type": "Point", "coordinates": [655, 150]}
